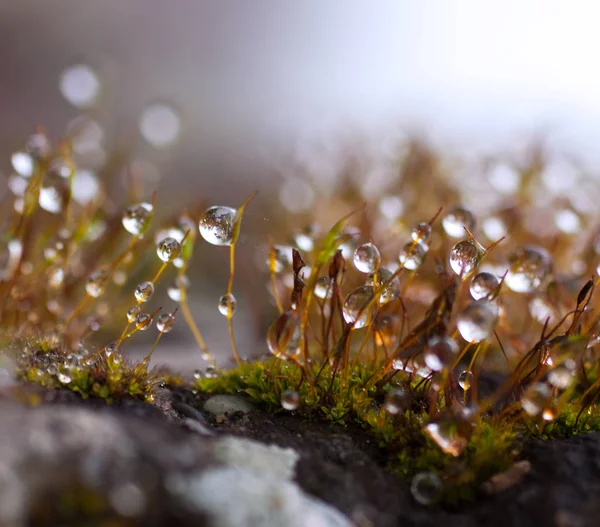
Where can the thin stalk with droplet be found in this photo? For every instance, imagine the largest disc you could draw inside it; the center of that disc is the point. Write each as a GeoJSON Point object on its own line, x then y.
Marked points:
{"type": "Point", "coordinates": [236, 234]}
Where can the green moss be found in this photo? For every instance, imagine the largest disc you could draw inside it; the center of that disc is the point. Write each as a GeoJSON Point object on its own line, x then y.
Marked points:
{"type": "Point", "coordinates": [106, 377]}
{"type": "Point", "coordinates": [492, 447]}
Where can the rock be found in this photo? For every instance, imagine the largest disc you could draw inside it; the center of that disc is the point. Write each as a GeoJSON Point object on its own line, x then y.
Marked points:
{"type": "Point", "coordinates": [234, 497]}
{"type": "Point", "coordinates": [108, 461]}
{"type": "Point", "coordinates": [222, 405]}
{"type": "Point", "coordinates": [252, 455]}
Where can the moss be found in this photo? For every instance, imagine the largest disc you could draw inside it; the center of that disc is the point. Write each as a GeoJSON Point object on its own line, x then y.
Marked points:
{"type": "Point", "coordinates": [106, 377]}
{"type": "Point", "coordinates": [492, 447]}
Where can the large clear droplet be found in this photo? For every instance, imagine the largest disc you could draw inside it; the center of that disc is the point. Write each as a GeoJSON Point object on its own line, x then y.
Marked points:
{"type": "Point", "coordinates": [136, 217]}
{"type": "Point", "coordinates": [477, 321]}
{"type": "Point", "coordinates": [529, 267]}
{"type": "Point", "coordinates": [412, 255]}
{"type": "Point", "coordinates": [456, 220]}
{"type": "Point", "coordinates": [227, 305]}
{"type": "Point", "coordinates": [391, 291]}
{"type": "Point", "coordinates": [133, 312]}
{"type": "Point", "coordinates": [216, 225]}
{"type": "Point", "coordinates": [440, 352]}
{"type": "Point", "coordinates": [324, 287]}
{"type": "Point", "coordinates": [421, 234]}
{"type": "Point", "coordinates": [450, 432]}
{"type": "Point", "coordinates": [164, 322]}
{"type": "Point", "coordinates": [464, 257]}
{"type": "Point", "coordinates": [144, 291]}
{"type": "Point", "coordinates": [284, 337]}
{"type": "Point", "coordinates": [465, 380]}
{"type": "Point", "coordinates": [143, 321]}
{"type": "Point", "coordinates": [367, 258]}
{"type": "Point", "coordinates": [483, 285]}
{"type": "Point", "coordinates": [290, 400]}
{"type": "Point", "coordinates": [359, 308]}
{"type": "Point", "coordinates": [168, 249]}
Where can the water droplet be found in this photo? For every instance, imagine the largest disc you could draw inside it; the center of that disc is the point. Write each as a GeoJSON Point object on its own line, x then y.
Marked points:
{"type": "Point", "coordinates": [111, 349]}
{"type": "Point", "coordinates": [168, 249]}
{"type": "Point", "coordinates": [529, 268]}
{"type": "Point", "coordinates": [136, 218]}
{"type": "Point", "coordinates": [542, 309]}
{"type": "Point", "coordinates": [64, 377]}
{"type": "Point", "coordinates": [426, 488]}
{"type": "Point", "coordinates": [359, 308]}
{"type": "Point", "coordinates": [324, 287]}
{"type": "Point", "coordinates": [465, 380]}
{"type": "Point", "coordinates": [52, 369]}
{"type": "Point", "coordinates": [280, 258]}
{"type": "Point", "coordinates": [305, 239]}
{"type": "Point", "coordinates": [450, 432]}
{"type": "Point", "coordinates": [386, 328]}
{"type": "Point", "coordinates": [144, 291]}
{"type": "Point", "coordinates": [216, 225]}
{"type": "Point", "coordinates": [133, 312]}
{"type": "Point", "coordinates": [174, 290]}
{"type": "Point", "coordinates": [440, 351]}
{"type": "Point", "coordinates": [227, 305]}
{"type": "Point", "coordinates": [52, 196]}
{"type": "Point", "coordinates": [494, 228]}
{"type": "Point", "coordinates": [477, 321]}
{"type": "Point", "coordinates": [412, 255]}
{"type": "Point", "coordinates": [290, 400]}
{"type": "Point", "coordinates": [23, 164]}
{"type": "Point", "coordinates": [17, 185]}
{"type": "Point", "coordinates": [164, 322]}
{"type": "Point", "coordinates": [456, 220]}
{"type": "Point", "coordinates": [97, 282]}
{"type": "Point", "coordinates": [59, 167]}
{"type": "Point", "coordinates": [396, 401]}
{"type": "Point", "coordinates": [464, 257]}
{"type": "Point", "coordinates": [421, 234]}
{"type": "Point", "coordinates": [79, 85]}
{"type": "Point", "coordinates": [561, 377]}
{"type": "Point", "coordinates": [567, 221]}
{"type": "Point", "coordinates": [535, 398]}
{"type": "Point", "coordinates": [367, 258]}
{"type": "Point", "coordinates": [483, 285]}
{"type": "Point", "coordinates": [391, 207]}
{"type": "Point", "coordinates": [284, 337]}
{"type": "Point", "coordinates": [391, 291]}
{"type": "Point", "coordinates": [56, 277]}
{"type": "Point", "coordinates": [85, 187]}
{"type": "Point", "coordinates": [143, 321]}
{"type": "Point", "coordinates": [160, 125]}
{"type": "Point", "coordinates": [38, 145]}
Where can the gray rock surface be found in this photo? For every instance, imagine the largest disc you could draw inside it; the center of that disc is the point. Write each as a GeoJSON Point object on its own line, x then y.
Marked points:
{"type": "Point", "coordinates": [222, 405]}
{"type": "Point", "coordinates": [72, 462]}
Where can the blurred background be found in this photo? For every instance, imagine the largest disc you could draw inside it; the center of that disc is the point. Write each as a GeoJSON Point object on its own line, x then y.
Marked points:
{"type": "Point", "coordinates": [218, 99]}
